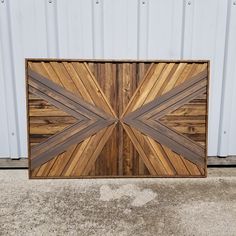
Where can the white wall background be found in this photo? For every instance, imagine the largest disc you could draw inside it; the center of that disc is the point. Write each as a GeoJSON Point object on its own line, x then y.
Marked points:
{"type": "Point", "coordinates": [127, 29]}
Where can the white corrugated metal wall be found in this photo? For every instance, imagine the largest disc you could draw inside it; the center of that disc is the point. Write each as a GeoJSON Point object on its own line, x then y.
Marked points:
{"type": "Point", "coordinates": [124, 29]}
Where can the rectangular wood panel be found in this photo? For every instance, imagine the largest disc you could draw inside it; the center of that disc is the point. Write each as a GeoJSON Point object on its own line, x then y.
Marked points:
{"type": "Point", "coordinates": [96, 118]}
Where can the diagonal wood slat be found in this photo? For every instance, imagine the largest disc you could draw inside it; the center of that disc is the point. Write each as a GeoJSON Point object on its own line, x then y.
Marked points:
{"type": "Point", "coordinates": [91, 118]}
{"type": "Point", "coordinates": [62, 95]}
{"type": "Point", "coordinates": [146, 118]}
{"type": "Point", "coordinates": [180, 144]}
{"type": "Point", "coordinates": [182, 93]}
{"type": "Point", "coordinates": [59, 146]}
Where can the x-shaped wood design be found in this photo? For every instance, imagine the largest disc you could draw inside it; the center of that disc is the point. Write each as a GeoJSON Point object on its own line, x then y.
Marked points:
{"type": "Point", "coordinates": [73, 150]}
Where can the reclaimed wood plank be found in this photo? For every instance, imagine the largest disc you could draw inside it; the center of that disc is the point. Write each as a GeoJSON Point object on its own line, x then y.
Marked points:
{"type": "Point", "coordinates": [136, 118]}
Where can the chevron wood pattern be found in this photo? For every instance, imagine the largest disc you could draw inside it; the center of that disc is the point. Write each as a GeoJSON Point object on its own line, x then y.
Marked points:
{"type": "Point", "coordinates": [91, 118]}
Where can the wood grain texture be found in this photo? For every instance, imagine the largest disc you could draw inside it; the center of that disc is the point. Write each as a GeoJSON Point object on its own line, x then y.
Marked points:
{"type": "Point", "coordinates": [96, 118]}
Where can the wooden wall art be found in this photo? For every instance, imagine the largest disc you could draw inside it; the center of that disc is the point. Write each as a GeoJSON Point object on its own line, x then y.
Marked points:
{"type": "Point", "coordinates": [117, 118]}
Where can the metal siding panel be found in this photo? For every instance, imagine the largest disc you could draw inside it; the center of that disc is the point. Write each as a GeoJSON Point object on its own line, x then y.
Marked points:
{"type": "Point", "coordinates": [143, 29]}
{"type": "Point", "coordinates": [52, 28]}
{"type": "Point", "coordinates": [164, 29]}
{"type": "Point", "coordinates": [86, 19]}
{"type": "Point", "coordinates": [4, 147]}
{"type": "Point", "coordinates": [97, 10]}
{"type": "Point", "coordinates": [204, 38]}
{"type": "Point", "coordinates": [227, 144]}
{"type": "Point", "coordinates": [62, 23]}
{"type": "Point", "coordinates": [9, 78]}
{"type": "Point", "coordinates": [75, 34]}
{"type": "Point", "coordinates": [132, 29]}
{"type": "Point", "coordinates": [28, 35]}
{"type": "Point", "coordinates": [28, 29]}
{"type": "Point", "coordinates": [120, 33]}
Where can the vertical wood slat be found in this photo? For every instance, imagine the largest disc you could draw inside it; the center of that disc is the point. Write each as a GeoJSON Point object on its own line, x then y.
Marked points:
{"type": "Point", "coordinates": [125, 151]}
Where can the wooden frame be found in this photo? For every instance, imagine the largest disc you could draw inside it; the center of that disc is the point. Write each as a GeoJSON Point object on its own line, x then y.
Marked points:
{"type": "Point", "coordinates": [113, 118]}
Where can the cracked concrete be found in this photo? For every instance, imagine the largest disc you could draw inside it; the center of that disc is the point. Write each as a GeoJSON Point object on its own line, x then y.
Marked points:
{"type": "Point", "coordinates": [118, 206]}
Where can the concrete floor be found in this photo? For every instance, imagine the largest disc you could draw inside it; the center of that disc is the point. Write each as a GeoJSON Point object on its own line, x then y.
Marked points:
{"type": "Point", "coordinates": [118, 206]}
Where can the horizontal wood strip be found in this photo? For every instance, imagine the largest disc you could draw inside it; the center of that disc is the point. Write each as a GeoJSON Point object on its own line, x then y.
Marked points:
{"type": "Point", "coordinates": [47, 128]}
{"type": "Point", "coordinates": [190, 129]}
{"type": "Point", "coordinates": [186, 112]}
{"type": "Point", "coordinates": [50, 111]}
{"type": "Point", "coordinates": [38, 138]}
{"type": "Point", "coordinates": [52, 120]}
{"type": "Point", "coordinates": [172, 118]}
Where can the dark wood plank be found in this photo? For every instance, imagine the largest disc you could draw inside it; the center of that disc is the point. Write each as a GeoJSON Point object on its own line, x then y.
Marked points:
{"type": "Point", "coordinates": [58, 93]}
{"type": "Point", "coordinates": [164, 136]}
{"type": "Point", "coordinates": [41, 155]}
{"type": "Point", "coordinates": [179, 93]}
{"type": "Point", "coordinates": [83, 122]}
